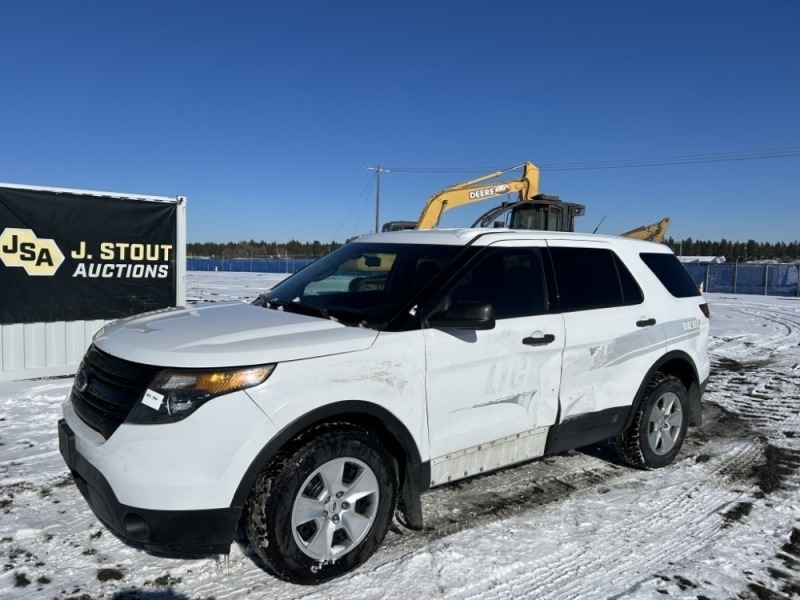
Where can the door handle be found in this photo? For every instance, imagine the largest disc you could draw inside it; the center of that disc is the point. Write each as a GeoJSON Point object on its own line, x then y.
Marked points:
{"type": "Point", "coordinates": [645, 323]}
{"type": "Point", "coordinates": [548, 338]}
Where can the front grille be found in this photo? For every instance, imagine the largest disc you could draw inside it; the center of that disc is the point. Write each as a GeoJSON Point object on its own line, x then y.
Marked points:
{"type": "Point", "coordinates": [112, 387]}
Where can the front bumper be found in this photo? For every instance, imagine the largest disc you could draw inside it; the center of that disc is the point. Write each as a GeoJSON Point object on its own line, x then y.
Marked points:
{"type": "Point", "coordinates": [187, 532]}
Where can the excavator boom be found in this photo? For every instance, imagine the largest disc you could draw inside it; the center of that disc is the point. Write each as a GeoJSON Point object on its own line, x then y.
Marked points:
{"type": "Point", "coordinates": [469, 192]}
{"type": "Point", "coordinates": [656, 232]}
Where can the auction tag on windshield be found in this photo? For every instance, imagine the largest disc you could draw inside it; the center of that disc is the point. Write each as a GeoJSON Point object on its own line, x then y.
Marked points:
{"type": "Point", "coordinates": [153, 399]}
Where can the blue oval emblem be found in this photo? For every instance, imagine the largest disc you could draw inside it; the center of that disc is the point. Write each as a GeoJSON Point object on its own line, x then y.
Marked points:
{"type": "Point", "coordinates": [82, 380]}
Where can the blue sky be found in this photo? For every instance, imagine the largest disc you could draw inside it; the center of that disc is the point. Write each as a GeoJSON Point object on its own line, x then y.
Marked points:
{"type": "Point", "coordinates": [267, 114]}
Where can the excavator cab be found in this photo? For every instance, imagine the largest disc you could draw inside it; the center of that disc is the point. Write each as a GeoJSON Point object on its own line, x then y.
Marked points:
{"type": "Point", "coordinates": [547, 213]}
{"type": "Point", "coordinates": [542, 212]}
{"type": "Point", "coordinates": [399, 225]}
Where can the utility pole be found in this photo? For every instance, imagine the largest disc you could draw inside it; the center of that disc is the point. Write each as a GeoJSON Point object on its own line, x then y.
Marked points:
{"type": "Point", "coordinates": [378, 171]}
{"type": "Point", "coordinates": [378, 200]}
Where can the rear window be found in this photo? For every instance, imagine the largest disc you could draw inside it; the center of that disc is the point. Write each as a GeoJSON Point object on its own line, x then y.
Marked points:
{"type": "Point", "coordinates": [671, 273]}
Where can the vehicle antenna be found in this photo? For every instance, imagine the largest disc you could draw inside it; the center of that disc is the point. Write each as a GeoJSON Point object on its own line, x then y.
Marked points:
{"type": "Point", "coordinates": [600, 223]}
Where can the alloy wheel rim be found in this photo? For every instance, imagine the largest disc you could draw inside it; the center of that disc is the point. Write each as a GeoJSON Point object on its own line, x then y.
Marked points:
{"type": "Point", "coordinates": [335, 509]}
{"type": "Point", "coordinates": [664, 425]}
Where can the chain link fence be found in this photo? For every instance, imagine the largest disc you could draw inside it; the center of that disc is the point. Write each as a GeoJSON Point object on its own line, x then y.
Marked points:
{"type": "Point", "coordinates": [735, 278]}
{"type": "Point", "coordinates": [254, 265]}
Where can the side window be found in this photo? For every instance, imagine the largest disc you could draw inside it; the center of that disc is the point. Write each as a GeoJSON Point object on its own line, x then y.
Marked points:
{"type": "Point", "coordinates": [631, 292]}
{"type": "Point", "coordinates": [555, 219]}
{"type": "Point", "coordinates": [590, 278]}
{"type": "Point", "coordinates": [510, 279]}
{"type": "Point", "coordinates": [671, 273]}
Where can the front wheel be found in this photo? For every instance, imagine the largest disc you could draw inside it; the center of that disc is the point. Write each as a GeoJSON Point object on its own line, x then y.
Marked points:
{"type": "Point", "coordinates": [323, 510]}
{"type": "Point", "coordinates": [656, 435]}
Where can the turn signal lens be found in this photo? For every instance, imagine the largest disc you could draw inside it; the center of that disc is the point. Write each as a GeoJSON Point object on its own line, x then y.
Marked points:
{"type": "Point", "coordinates": [213, 382]}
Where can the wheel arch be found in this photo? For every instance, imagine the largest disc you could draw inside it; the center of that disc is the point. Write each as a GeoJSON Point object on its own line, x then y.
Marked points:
{"type": "Point", "coordinates": [390, 431]}
{"type": "Point", "coordinates": [678, 364]}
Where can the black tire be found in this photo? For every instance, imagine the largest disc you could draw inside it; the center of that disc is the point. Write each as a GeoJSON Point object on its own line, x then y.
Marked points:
{"type": "Point", "coordinates": [659, 427]}
{"type": "Point", "coordinates": [322, 510]}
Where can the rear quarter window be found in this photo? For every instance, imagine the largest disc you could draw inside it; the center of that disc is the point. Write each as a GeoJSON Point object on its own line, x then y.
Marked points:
{"type": "Point", "coordinates": [671, 274]}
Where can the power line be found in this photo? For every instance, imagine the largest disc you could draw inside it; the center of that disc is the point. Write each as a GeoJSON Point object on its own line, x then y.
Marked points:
{"type": "Point", "coordinates": [365, 193]}
{"type": "Point", "coordinates": [686, 159]}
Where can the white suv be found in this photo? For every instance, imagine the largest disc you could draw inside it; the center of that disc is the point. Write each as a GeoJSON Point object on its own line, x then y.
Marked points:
{"type": "Point", "coordinates": [399, 362]}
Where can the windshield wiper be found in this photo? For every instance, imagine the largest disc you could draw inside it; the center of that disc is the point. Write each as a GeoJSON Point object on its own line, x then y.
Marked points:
{"type": "Point", "coordinates": [261, 300]}
{"type": "Point", "coordinates": [298, 307]}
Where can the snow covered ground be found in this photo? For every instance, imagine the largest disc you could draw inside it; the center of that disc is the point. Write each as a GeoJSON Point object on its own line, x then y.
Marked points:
{"type": "Point", "coordinates": [722, 522]}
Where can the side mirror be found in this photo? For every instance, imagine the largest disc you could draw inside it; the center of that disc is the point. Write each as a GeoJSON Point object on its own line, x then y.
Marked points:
{"type": "Point", "coordinates": [465, 314]}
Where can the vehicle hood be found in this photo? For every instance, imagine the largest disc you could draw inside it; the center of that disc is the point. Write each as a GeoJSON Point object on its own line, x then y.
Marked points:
{"type": "Point", "coordinates": [227, 334]}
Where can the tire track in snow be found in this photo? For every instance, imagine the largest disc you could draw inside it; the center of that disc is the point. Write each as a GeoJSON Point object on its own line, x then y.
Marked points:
{"type": "Point", "coordinates": [680, 523]}
{"type": "Point", "coordinates": [764, 396]}
{"type": "Point", "coordinates": [677, 522]}
{"type": "Point", "coordinates": [566, 570]}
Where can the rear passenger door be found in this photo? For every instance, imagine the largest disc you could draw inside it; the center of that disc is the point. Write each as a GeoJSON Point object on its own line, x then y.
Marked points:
{"type": "Point", "coordinates": [492, 394]}
{"type": "Point", "coordinates": [612, 337]}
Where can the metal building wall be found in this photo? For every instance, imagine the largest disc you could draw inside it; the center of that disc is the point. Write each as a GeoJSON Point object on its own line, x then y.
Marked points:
{"type": "Point", "coordinates": [31, 350]}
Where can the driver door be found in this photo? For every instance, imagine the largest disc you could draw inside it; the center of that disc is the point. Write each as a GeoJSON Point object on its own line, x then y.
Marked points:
{"type": "Point", "coordinates": [492, 394]}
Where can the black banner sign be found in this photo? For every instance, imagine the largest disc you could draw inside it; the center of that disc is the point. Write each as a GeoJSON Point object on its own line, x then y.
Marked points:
{"type": "Point", "coordinates": [74, 257]}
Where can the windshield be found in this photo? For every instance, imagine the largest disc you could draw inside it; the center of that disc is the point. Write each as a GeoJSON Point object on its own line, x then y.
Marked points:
{"type": "Point", "coordinates": [363, 284]}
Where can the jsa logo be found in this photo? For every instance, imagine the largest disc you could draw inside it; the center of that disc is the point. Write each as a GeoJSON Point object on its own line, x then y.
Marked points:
{"type": "Point", "coordinates": [21, 248]}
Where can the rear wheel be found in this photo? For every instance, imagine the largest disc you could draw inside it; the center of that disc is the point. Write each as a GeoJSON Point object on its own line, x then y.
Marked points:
{"type": "Point", "coordinates": [656, 435]}
{"type": "Point", "coordinates": [324, 509]}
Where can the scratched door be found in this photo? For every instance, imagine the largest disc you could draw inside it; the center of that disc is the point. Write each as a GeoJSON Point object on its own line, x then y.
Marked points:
{"type": "Point", "coordinates": [486, 385]}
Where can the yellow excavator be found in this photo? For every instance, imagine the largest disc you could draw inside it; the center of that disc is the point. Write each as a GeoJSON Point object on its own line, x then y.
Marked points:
{"type": "Point", "coordinates": [531, 210]}
{"type": "Point", "coordinates": [655, 232]}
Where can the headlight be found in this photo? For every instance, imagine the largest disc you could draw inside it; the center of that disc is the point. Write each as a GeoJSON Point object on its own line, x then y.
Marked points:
{"type": "Point", "coordinates": [175, 394]}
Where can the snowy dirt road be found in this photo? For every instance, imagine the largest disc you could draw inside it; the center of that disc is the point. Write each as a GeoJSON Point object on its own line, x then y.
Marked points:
{"type": "Point", "coordinates": [722, 522]}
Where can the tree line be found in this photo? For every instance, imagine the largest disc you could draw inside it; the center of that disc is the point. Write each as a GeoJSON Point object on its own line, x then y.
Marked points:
{"type": "Point", "coordinates": [737, 251]}
{"type": "Point", "coordinates": [262, 249]}
{"type": "Point", "coordinates": [732, 251]}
